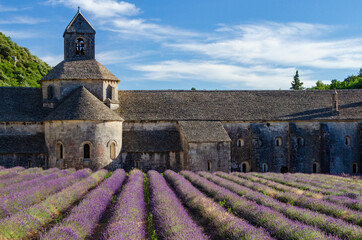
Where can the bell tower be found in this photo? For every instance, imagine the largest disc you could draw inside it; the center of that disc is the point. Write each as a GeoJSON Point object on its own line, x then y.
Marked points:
{"type": "Point", "coordinates": [79, 39]}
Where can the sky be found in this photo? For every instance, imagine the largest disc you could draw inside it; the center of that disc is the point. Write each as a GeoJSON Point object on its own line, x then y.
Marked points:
{"type": "Point", "coordinates": [203, 44]}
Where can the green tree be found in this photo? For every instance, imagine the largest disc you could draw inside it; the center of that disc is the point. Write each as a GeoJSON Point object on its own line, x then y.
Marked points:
{"type": "Point", "coordinates": [296, 83]}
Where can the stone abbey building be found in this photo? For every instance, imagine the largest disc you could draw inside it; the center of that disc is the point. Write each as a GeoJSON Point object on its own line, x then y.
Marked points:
{"type": "Point", "coordinates": [79, 118]}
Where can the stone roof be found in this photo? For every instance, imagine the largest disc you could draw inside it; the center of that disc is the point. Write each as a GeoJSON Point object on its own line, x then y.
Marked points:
{"type": "Point", "coordinates": [239, 105]}
{"type": "Point", "coordinates": [80, 104]}
{"type": "Point", "coordinates": [79, 24]}
{"type": "Point", "coordinates": [22, 144]}
{"type": "Point", "coordinates": [204, 131]}
{"type": "Point", "coordinates": [19, 104]}
{"type": "Point", "coordinates": [80, 69]}
{"type": "Point", "coordinates": [151, 141]}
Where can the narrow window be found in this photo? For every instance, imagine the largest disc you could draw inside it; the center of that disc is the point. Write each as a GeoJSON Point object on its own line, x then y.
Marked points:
{"type": "Point", "coordinates": [354, 168]}
{"type": "Point", "coordinates": [138, 164]}
{"type": "Point", "coordinates": [240, 142]}
{"type": "Point", "coordinates": [86, 150]}
{"type": "Point", "coordinates": [29, 163]}
{"type": "Point", "coordinates": [265, 167]}
{"type": "Point", "coordinates": [60, 151]}
{"type": "Point", "coordinates": [315, 168]}
{"type": "Point", "coordinates": [113, 150]}
{"type": "Point", "coordinates": [50, 92]}
{"type": "Point", "coordinates": [79, 47]}
{"type": "Point", "coordinates": [243, 167]}
{"type": "Point", "coordinates": [278, 141]}
{"type": "Point", "coordinates": [347, 141]}
{"type": "Point", "coordinates": [300, 141]}
{"type": "Point", "coordinates": [209, 166]}
{"type": "Point", "coordinates": [109, 92]}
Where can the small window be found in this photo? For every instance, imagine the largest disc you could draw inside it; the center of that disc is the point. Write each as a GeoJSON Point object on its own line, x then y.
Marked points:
{"type": "Point", "coordinates": [244, 167]}
{"type": "Point", "coordinates": [300, 141]}
{"type": "Point", "coordinates": [138, 164]}
{"type": "Point", "coordinates": [284, 169]}
{"type": "Point", "coordinates": [60, 151]}
{"type": "Point", "coordinates": [79, 47]}
{"type": "Point", "coordinates": [29, 163]}
{"type": "Point", "coordinates": [278, 141]}
{"type": "Point", "coordinates": [347, 141]}
{"type": "Point", "coordinates": [240, 142]}
{"type": "Point", "coordinates": [209, 166]}
{"type": "Point", "coordinates": [112, 149]}
{"type": "Point", "coordinates": [315, 167]}
{"type": "Point", "coordinates": [354, 168]}
{"type": "Point", "coordinates": [50, 92]}
{"type": "Point", "coordinates": [86, 151]}
{"type": "Point", "coordinates": [265, 167]}
{"type": "Point", "coordinates": [109, 92]}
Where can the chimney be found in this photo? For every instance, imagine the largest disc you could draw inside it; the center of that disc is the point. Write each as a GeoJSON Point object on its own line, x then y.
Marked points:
{"type": "Point", "coordinates": [335, 101]}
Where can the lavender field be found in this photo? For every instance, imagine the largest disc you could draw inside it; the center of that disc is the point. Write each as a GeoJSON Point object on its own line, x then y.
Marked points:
{"type": "Point", "coordinates": [70, 204]}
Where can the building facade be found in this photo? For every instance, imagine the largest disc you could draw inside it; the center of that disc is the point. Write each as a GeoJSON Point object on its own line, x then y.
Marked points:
{"type": "Point", "coordinates": [79, 118]}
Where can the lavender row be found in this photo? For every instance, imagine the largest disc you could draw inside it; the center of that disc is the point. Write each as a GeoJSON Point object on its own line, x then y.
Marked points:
{"type": "Point", "coordinates": [326, 223]}
{"type": "Point", "coordinates": [129, 213]}
{"type": "Point", "coordinates": [303, 186]}
{"type": "Point", "coordinates": [2, 168]}
{"type": "Point", "coordinates": [10, 172]}
{"type": "Point", "coordinates": [31, 220]}
{"type": "Point", "coordinates": [276, 223]}
{"type": "Point", "coordinates": [318, 205]}
{"type": "Point", "coordinates": [15, 202]}
{"type": "Point", "coordinates": [84, 218]}
{"type": "Point", "coordinates": [334, 178]}
{"type": "Point", "coordinates": [354, 204]}
{"type": "Point", "coordinates": [26, 175]}
{"type": "Point", "coordinates": [225, 224]}
{"type": "Point", "coordinates": [170, 217]}
{"type": "Point", "coordinates": [17, 187]}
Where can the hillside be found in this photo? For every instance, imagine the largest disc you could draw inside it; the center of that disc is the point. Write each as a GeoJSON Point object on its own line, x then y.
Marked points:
{"type": "Point", "coordinates": [25, 71]}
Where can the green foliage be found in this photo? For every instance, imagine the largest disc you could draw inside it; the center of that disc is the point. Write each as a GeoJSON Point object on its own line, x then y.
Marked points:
{"type": "Point", "coordinates": [150, 228]}
{"type": "Point", "coordinates": [193, 89]}
{"type": "Point", "coordinates": [28, 69]}
{"type": "Point", "coordinates": [351, 82]}
{"type": "Point", "coordinates": [296, 83]}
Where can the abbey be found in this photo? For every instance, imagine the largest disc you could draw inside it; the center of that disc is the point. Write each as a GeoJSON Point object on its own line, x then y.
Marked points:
{"type": "Point", "coordinates": [79, 118]}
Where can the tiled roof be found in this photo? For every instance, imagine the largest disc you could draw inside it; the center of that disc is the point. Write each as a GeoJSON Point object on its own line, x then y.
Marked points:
{"type": "Point", "coordinates": [80, 69]}
{"type": "Point", "coordinates": [80, 104]}
{"type": "Point", "coordinates": [239, 105]}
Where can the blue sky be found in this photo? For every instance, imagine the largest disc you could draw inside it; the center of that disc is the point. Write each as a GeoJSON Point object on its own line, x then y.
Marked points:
{"type": "Point", "coordinates": [206, 44]}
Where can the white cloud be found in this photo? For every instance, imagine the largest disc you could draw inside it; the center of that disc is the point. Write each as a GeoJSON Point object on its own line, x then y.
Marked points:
{"type": "Point", "coordinates": [101, 9]}
{"type": "Point", "coordinates": [19, 34]}
{"type": "Point", "coordinates": [231, 76]}
{"type": "Point", "coordinates": [22, 20]}
{"type": "Point", "coordinates": [52, 60]}
{"type": "Point", "coordinates": [290, 44]}
{"type": "Point", "coordinates": [7, 9]}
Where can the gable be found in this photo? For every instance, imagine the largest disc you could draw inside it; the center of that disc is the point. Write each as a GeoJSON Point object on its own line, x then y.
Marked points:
{"type": "Point", "coordinates": [79, 24]}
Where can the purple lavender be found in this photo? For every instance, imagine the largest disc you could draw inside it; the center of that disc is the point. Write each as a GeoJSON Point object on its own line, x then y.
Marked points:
{"type": "Point", "coordinates": [32, 219]}
{"type": "Point", "coordinates": [129, 218]}
{"type": "Point", "coordinates": [26, 176]}
{"type": "Point", "coordinates": [326, 223]}
{"type": "Point", "coordinates": [276, 223]}
{"type": "Point", "coordinates": [83, 219]}
{"type": "Point", "coordinates": [225, 224]}
{"type": "Point", "coordinates": [170, 217]}
{"type": "Point", "coordinates": [10, 172]}
{"type": "Point", "coordinates": [2, 168]}
{"type": "Point", "coordinates": [17, 201]}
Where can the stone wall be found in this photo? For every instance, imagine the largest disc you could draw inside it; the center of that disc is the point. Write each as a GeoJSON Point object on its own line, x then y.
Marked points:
{"type": "Point", "coordinates": [28, 160]}
{"type": "Point", "coordinates": [74, 134]}
{"type": "Point", "coordinates": [21, 128]}
{"type": "Point", "coordinates": [69, 45]}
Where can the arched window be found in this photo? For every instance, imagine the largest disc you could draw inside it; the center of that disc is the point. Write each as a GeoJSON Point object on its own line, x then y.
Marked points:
{"type": "Point", "coordinates": [265, 167]}
{"type": "Point", "coordinates": [50, 92]}
{"type": "Point", "coordinates": [112, 149]}
{"type": "Point", "coordinates": [278, 141]}
{"type": "Point", "coordinates": [86, 150]}
{"type": "Point", "coordinates": [60, 151]}
{"type": "Point", "coordinates": [347, 141]}
{"type": "Point", "coordinates": [244, 167]}
{"type": "Point", "coordinates": [240, 142]}
{"type": "Point", "coordinates": [79, 47]}
{"type": "Point", "coordinates": [300, 141]}
{"type": "Point", "coordinates": [209, 166]}
{"type": "Point", "coordinates": [29, 163]}
{"type": "Point", "coordinates": [138, 164]}
{"type": "Point", "coordinates": [109, 92]}
{"type": "Point", "coordinates": [315, 167]}
{"type": "Point", "coordinates": [354, 168]}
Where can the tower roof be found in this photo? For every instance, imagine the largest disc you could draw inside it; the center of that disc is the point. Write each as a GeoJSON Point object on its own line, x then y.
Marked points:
{"type": "Point", "coordinates": [82, 105]}
{"type": "Point", "coordinates": [79, 24]}
{"type": "Point", "coordinates": [80, 69]}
